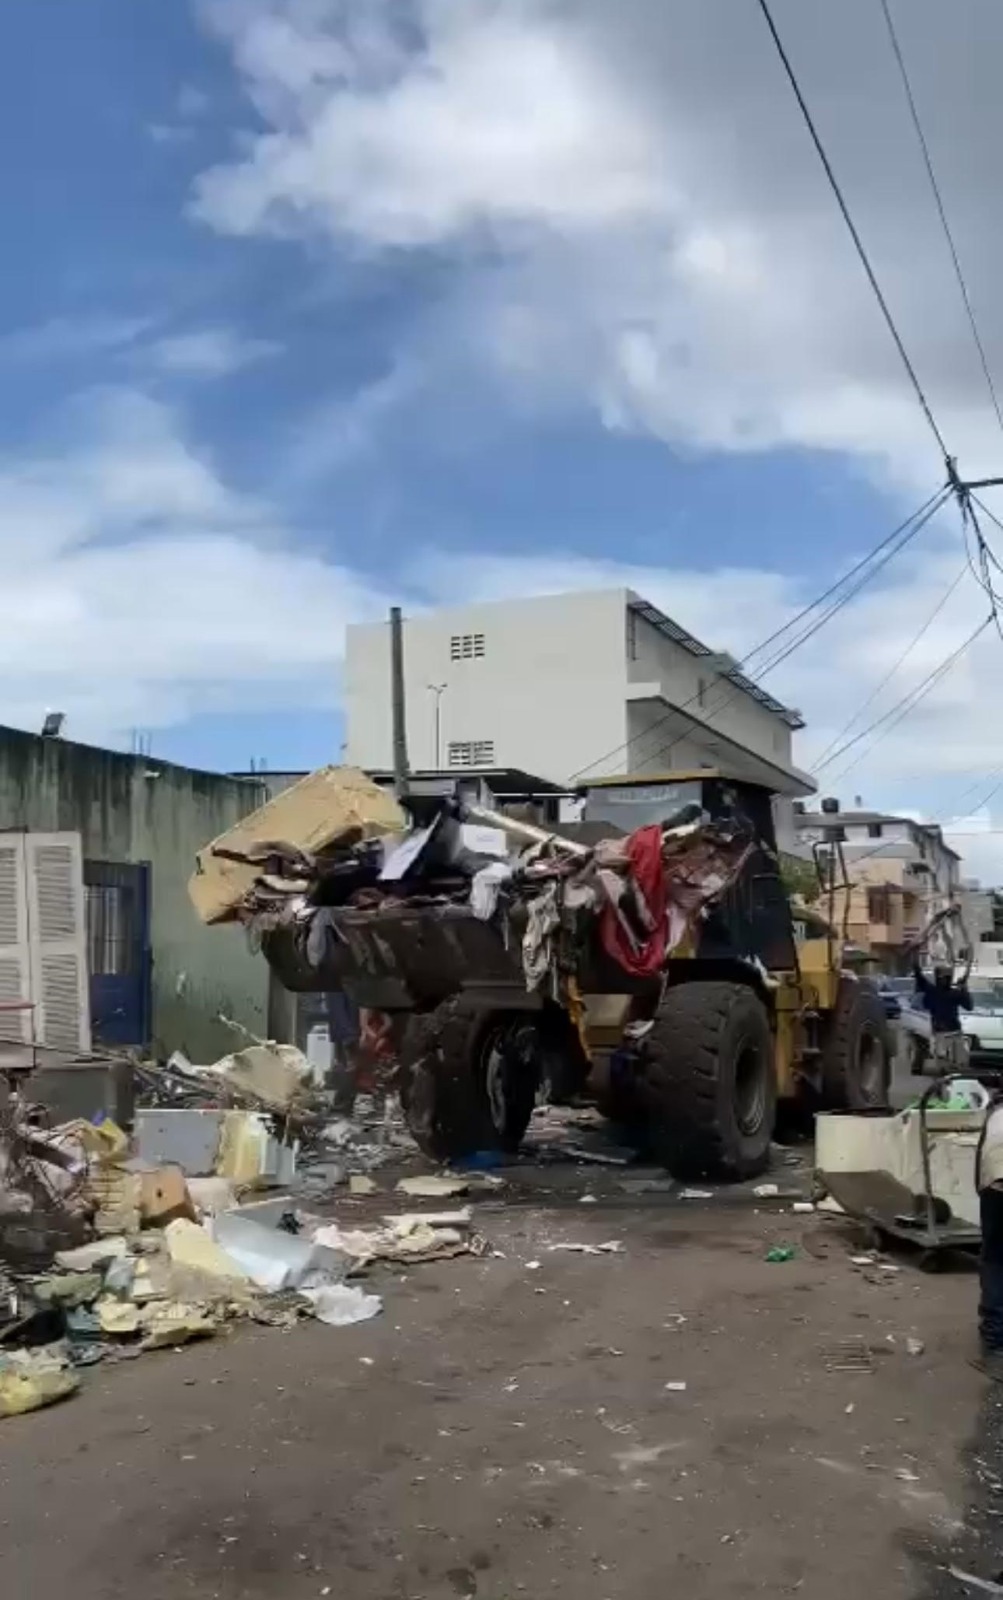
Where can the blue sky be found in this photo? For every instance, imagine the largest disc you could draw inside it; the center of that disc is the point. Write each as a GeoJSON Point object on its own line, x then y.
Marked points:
{"type": "Point", "coordinates": [315, 305]}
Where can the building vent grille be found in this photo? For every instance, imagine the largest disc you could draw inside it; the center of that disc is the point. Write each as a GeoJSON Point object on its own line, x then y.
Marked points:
{"type": "Point", "coordinates": [472, 753]}
{"type": "Point", "coordinates": [466, 646]}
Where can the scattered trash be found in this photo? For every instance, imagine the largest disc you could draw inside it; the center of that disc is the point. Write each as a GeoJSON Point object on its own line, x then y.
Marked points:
{"type": "Point", "coordinates": [189, 1245]}
{"type": "Point", "coordinates": [405, 1239]}
{"type": "Point", "coordinates": [849, 1355]}
{"type": "Point", "coordinates": [802, 1207]}
{"type": "Point", "coordinates": [696, 1194]}
{"type": "Point", "coordinates": [359, 1183]}
{"type": "Point", "coordinates": [781, 1252]}
{"type": "Point", "coordinates": [533, 1266]}
{"type": "Point", "coordinates": [483, 1161]}
{"type": "Point", "coordinates": [341, 1304]}
{"type": "Point", "coordinates": [766, 1191]}
{"type": "Point", "coordinates": [676, 1386]}
{"type": "Point", "coordinates": [600, 1158]}
{"type": "Point", "coordinates": [168, 1325]}
{"type": "Point", "coordinates": [30, 1385]}
{"type": "Point", "coordinates": [906, 1475]}
{"type": "Point", "coordinates": [915, 1347]}
{"type": "Point", "coordinates": [984, 1585]}
{"type": "Point", "coordinates": [587, 1200]}
{"type": "Point", "coordinates": [612, 1247]}
{"type": "Point", "coordinates": [117, 1318]}
{"type": "Point", "coordinates": [272, 1258]}
{"type": "Point", "coordinates": [88, 1257]}
{"type": "Point", "coordinates": [433, 1187]}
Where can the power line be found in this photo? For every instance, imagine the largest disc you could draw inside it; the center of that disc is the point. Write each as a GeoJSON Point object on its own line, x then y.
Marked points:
{"type": "Point", "coordinates": [992, 518]}
{"type": "Point", "coordinates": [854, 235]}
{"type": "Point", "coordinates": [923, 517]}
{"type": "Point", "coordinates": [902, 659]}
{"type": "Point", "coordinates": [989, 796]}
{"type": "Point", "coordinates": [928, 509]}
{"type": "Point", "coordinates": [908, 703]}
{"type": "Point", "coordinates": [962, 285]}
{"type": "Point", "coordinates": [985, 581]}
{"type": "Point", "coordinates": [897, 712]}
{"type": "Point", "coordinates": [881, 554]}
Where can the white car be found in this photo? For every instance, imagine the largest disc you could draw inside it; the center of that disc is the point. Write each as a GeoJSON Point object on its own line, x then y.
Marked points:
{"type": "Point", "coordinates": [982, 1027]}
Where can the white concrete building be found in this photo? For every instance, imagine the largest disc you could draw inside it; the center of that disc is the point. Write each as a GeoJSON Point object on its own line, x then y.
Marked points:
{"type": "Point", "coordinates": [566, 686]}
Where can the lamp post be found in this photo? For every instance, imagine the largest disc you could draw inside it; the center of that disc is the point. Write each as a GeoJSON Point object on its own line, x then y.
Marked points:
{"type": "Point", "coordinates": [438, 689]}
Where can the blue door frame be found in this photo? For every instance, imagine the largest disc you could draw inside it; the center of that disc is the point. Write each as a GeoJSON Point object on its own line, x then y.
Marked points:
{"type": "Point", "coordinates": [118, 951]}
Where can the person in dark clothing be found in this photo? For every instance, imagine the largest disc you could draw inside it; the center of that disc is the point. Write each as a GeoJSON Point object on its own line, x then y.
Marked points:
{"type": "Point", "coordinates": [343, 1032]}
{"type": "Point", "coordinates": [945, 1001]}
{"type": "Point", "coordinates": [989, 1174]}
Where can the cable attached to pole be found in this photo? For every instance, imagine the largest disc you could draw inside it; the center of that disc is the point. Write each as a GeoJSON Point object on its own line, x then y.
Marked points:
{"type": "Point", "coordinates": [868, 565]}
{"type": "Point", "coordinates": [900, 662]}
{"type": "Point", "coordinates": [949, 236]}
{"type": "Point", "coordinates": [852, 229]}
{"type": "Point", "coordinates": [908, 703]}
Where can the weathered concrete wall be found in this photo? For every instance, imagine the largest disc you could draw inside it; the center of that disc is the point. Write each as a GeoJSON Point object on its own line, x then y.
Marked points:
{"type": "Point", "coordinates": [135, 808]}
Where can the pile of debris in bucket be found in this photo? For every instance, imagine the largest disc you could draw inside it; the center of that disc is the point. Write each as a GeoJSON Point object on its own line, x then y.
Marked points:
{"type": "Point", "coordinates": [334, 846]}
{"type": "Point", "coordinates": [113, 1245]}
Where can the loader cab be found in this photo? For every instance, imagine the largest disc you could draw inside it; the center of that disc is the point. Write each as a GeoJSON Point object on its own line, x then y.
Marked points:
{"type": "Point", "coordinates": [753, 919]}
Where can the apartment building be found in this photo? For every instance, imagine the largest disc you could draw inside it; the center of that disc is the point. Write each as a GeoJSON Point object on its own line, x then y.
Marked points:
{"type": "Point", "coordinates": [568, 685]}
{"type": "Point", "coordinates": [902, 873]}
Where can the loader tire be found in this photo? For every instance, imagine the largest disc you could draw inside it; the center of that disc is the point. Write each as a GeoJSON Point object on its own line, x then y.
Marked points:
{"type": "Point", "coordinates": [708, 1083]}
{"type": "Point", "coordinates": [467, 1081]}
{"type": "Point", "coordinates": [856, 1052]}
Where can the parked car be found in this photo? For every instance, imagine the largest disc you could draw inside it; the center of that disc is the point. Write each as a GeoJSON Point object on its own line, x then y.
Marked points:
{"type": "Point", "coordinates": [895, 993]}
{"type": "Point", "coordinates": [982, 1026]}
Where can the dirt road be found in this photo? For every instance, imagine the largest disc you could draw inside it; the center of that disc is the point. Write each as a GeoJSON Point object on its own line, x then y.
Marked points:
{"type": "Point", "coordinates": [505, 1430]}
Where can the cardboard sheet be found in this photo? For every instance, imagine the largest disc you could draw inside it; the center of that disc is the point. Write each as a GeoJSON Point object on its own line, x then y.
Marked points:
{"type": "Point", "coordinates": [311, 815]}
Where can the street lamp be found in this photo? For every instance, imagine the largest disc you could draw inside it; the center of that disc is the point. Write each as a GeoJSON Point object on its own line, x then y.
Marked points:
{"type": "Point", "coordinates": [438, 689]}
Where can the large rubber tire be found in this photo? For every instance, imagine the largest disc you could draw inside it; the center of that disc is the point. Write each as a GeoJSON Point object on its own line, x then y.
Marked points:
{"type": "Point", "coordinates": [466, 1081]}
{"type": "Point", "coordinates": [856, 1050]}
{"type": "Point", "coordinates": [708, 1082]}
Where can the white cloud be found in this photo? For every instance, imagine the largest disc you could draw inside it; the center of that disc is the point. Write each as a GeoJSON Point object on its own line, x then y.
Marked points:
{"type": "Point", "coordinates": [210, 352]}
{"type": "Point", "coordinates": [635, 220]}
{"type": "Point", "coordinates": [949, 744]}
{"type": "Point", "coordinates": [170, 133]}
{"type": "Point", "coordinates": [141, 589]}
{"type": "Point", "coordinates": [978, 843]}
{"type": "Point", "coordinates": [192, 101]}
{"type": "Point", "coordinates": [70, 338]}
{"type": "Point", "coordinates": [630, 189]}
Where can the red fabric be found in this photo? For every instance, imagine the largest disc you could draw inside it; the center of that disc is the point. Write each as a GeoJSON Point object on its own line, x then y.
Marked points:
{"type": "Point", "coordinates": [641, 958]}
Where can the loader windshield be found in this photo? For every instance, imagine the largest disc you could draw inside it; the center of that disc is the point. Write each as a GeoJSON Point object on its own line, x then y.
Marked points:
{"type": "Point", "coordinates": [635, 805]}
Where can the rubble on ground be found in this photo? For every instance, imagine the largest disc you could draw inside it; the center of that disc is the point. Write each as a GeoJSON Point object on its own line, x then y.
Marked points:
{"type": "Point", "coordinates": [125, 1252]}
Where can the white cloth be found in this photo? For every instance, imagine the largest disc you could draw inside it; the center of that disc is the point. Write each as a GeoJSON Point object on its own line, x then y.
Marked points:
{"type": "Point", "coordinates": [485, 886]}
{"type": "Point", "coordinates": [544, 916]}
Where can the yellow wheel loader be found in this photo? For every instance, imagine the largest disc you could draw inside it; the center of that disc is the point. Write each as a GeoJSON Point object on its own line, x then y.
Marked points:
{"type": "Point", "coordinates": [754, 1013]}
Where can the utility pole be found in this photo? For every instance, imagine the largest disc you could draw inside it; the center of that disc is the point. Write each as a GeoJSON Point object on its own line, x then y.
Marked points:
{"type": "Point", "coordinates": [438, 689]}
{"type": "Point", "coordinates": [397, 706]}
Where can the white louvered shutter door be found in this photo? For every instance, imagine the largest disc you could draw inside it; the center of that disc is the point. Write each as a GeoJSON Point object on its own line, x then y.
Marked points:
{"type": "Point", "coordinates": [57, 940]}
{"type": "Point", "coordinates": [15, 964]}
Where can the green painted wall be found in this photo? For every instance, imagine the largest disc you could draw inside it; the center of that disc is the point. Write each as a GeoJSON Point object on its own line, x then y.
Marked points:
{"type": "Point", "coordinates": [123, 813]}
